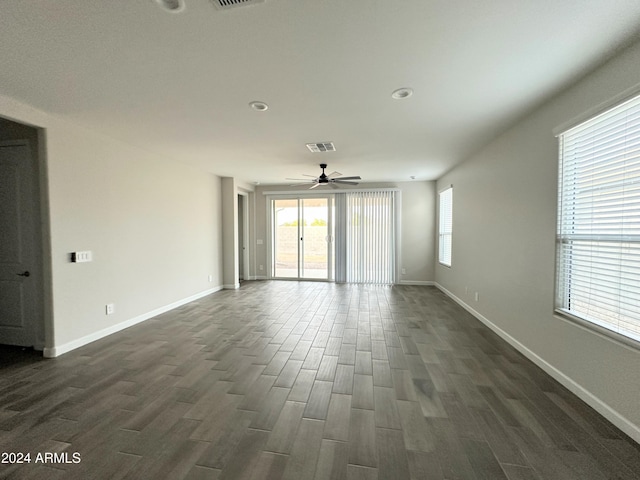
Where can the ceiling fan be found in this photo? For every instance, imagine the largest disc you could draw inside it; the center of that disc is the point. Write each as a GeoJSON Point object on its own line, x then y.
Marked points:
{"type": "Point", "coordinates": [325, 179]}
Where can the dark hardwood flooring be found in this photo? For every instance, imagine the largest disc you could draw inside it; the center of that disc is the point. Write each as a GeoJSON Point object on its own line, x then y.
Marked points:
{"type": "Point", "coordinates": [304, 380]}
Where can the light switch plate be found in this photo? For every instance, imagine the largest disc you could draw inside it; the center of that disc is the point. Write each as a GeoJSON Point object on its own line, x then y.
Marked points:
{"type": "Point", "coordinates": [81, 257]}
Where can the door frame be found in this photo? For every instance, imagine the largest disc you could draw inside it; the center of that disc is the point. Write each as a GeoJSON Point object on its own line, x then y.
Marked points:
{"type": "Point", "coordinates": [330, 243]}
{"type": "Point", "coordinates": [244, 252]}
{"type": "Point", "coordinates": [42, 329]}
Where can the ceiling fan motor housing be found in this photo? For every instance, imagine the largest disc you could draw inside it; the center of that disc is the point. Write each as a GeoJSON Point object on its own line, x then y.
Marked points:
{"type": "Point", "coordinates": [323, 176]}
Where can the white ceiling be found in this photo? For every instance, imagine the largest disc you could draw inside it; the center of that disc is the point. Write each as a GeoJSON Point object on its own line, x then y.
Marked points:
{"type": "Point", "coordinates": [180, 84]}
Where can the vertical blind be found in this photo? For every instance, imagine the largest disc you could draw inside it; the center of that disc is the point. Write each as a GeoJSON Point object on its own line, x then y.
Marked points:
{"type": "Point", "coordinates": [365, 237]}
{"type": "Point", "coordinates": [445, 226]}
{"type": "Point", "coordinates": [599, 220]}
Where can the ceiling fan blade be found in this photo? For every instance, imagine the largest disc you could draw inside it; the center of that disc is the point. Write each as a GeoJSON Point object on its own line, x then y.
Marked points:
{"type": "Point", "coordinates": [324, 179]}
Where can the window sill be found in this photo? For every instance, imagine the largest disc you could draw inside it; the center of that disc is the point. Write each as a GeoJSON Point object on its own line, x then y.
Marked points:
{"type": "Point", "coordinates": [598, 330]}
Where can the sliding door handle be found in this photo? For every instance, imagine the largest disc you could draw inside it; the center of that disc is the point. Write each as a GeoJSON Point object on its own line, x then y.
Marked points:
{"type": "Point", "coordinates": [24, 274]}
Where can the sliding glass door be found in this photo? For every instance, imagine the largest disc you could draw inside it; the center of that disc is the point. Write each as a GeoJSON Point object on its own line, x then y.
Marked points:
{"type": "Point", "coordinates": [285, 238]}
{"type": "Point", "coordinates": [302, 244]}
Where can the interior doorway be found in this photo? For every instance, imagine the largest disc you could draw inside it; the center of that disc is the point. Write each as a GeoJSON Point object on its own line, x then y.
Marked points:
{"type": "Point", "coordinates": [302, 238]}
{"type": "Point", "coordinates": [243, 236]}
{"type": "Point", "coordinates": [21, 246]}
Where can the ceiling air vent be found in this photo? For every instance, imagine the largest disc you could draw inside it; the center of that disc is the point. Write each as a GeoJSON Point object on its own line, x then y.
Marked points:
{"type": "Point", "coordinates": [321, 147]}
{"type": "Point", "coordinates": [226, 4]}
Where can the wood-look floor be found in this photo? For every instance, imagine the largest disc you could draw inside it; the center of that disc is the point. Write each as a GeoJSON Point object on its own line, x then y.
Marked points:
{"type": "Point", "coordinates": [305, 381]}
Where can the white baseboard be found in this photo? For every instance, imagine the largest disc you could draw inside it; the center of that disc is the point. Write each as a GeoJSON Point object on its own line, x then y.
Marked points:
{"type": "Point", "coordinates": [428, 283]}
{"type": "Point", "coordinates": [58, 350]}
{"type": "Point", "coordinates": [258, 277]}
{"type": "Point", "coordinates": [234, 286]}
{"type": "Point", "coordinates": [594, 402]}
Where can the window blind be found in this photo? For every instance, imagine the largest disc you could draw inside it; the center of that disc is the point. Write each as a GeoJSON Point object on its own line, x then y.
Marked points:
{"type": "Point", "coordinates": [365, 237]}
{"type": "Point", "coordinates": [598, 239]}
{"type": "Point", "coordinates": [445, 226]}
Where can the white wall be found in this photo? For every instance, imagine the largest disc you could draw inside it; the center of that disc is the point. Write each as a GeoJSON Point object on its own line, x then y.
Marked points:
{"type": "Point", "coordinates": [153, 225]}
{"type": "Point", "coordinates": [504, 226]}
{"type": "Point", "coordinates": [230, 233]}
{"type": "Point", "coordinates": [417, 228]}
{"type": "Point", "coordinates": [418, 232]}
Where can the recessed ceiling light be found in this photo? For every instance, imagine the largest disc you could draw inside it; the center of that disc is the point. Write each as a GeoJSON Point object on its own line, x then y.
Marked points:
{"type": "Point", "coordinates": [172, 6]}
{"type": "Point", "coordinates": [413, 177]}
{"type": "Point", "coordinates": [259, 106]}
{"type": "Point", "coordinates": [403, 92]}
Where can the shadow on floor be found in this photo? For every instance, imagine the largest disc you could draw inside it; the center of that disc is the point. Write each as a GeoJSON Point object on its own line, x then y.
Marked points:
{"type": "Point", "coordinates": [11, 355]}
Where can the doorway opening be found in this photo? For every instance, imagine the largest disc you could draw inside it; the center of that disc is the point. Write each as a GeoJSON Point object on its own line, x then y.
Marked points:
{"type": "Point", "coordinates": [243, 236]}
{"type": "Point", "coordinates": [302, 238]}
{"type": "Point", "coordinates": [22, 276]}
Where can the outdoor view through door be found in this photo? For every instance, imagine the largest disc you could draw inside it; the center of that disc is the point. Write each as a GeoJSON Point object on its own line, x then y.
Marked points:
{"type": "Point", "coordinates": [302, 246]}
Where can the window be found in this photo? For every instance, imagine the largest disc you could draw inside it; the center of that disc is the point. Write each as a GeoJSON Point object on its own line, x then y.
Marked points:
{"type": "Point", "coordinates": [445, 223]}
{"type": "Point", "coordinates": [598, 241]}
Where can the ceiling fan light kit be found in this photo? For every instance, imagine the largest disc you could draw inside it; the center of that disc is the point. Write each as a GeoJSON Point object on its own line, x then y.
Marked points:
{"type": "Point", "coordinates": [324, 179]}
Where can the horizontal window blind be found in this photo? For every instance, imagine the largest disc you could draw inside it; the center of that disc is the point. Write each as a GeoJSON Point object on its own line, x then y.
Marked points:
{"type": "Point", "coordinates": [599, 220]}
{"type": "Point", "coordinates": [365, 237]}
{"type": "Point", "coordinates": [445, 223]}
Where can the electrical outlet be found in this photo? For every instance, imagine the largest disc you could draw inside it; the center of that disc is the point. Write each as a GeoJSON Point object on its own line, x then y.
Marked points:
{"type": "Point", "coordinates": [466, 290]}
{"type": "Point", "coordinates": [110, 308]}
{"type": "Point", "coordinates": [261, 267]}
{"type": "Point", "coordinates": [404, 271]}
{"type": "Point", "coordinates": [210, 278]}
{"type": "Point", "coordinates": [477, 296]}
